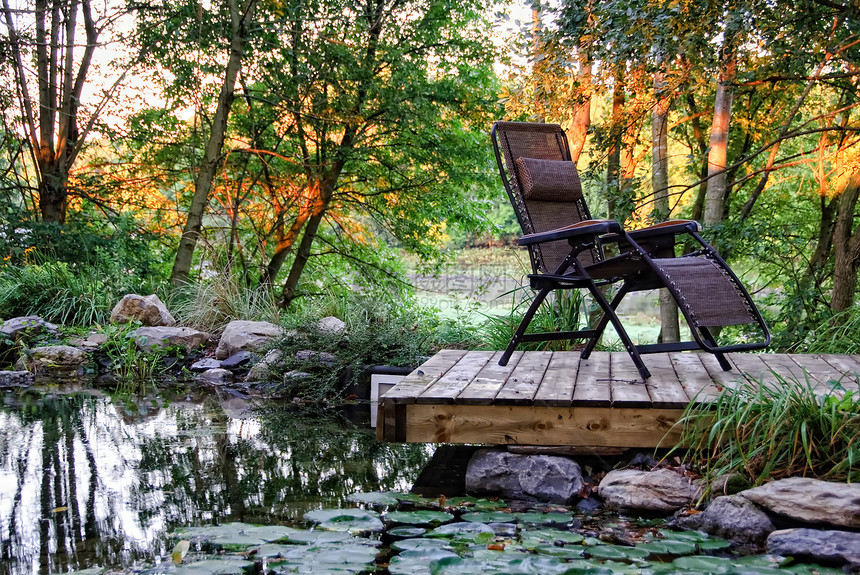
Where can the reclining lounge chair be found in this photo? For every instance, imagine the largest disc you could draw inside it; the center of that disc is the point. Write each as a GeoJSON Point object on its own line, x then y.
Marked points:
{"type": "Point", "coordinates": [567, 251]}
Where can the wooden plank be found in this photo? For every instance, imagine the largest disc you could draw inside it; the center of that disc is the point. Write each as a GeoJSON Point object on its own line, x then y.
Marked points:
{"type": "Point", "coordinates": [665, 387]}
{"type": "Point", "coordinates": [847, 364]}
{"type": "Point", "coordinates": [731, 379]}
{"type": "Point", "coordinates": [535, 425]}
{"type": "Point", "coordinates": [557, 386]}
{"type": "Point", "coordinates": [784, 367]}
{"type": "Point", "coordinates": [416, 382]}
{"type": "Point", "coordinates": [455, 380]}
{"type": "Point", "coordinates": [751, 366]}
{"type": "Point", "coordinates": [592, 381]}
{"type": "Point", "coordinates": [524, 381]}
{"type": "Point", "coordinates": [627, 387]}
{"type": "Point", "coordinates": [694, 376]}
{"type": "Point", "coordinates": [492, 377]}
{"type": "Point", "coordinates": [820, 373]}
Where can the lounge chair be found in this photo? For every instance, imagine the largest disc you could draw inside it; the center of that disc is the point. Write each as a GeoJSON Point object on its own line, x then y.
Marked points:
{"type": "Point", "coordinates": [569, 249]}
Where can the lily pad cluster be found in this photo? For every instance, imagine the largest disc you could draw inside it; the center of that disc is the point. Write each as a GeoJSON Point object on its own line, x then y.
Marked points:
{"type": "Point", "coordinates": [402, 534]}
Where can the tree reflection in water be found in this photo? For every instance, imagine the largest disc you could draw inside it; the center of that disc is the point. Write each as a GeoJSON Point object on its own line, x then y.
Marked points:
{"type": "Point", "coordinates": [90, 481]}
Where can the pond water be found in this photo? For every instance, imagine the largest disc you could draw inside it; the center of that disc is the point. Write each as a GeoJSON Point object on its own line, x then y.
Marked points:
{"type": "Point", "coordinates": [192, 483]}
{"type": "Point", "coordinates": [88, 480]}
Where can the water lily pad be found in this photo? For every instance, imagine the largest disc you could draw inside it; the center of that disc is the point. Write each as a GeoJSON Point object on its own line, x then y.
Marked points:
{"type": "Point", "coordinates": [704, 563]}
{"type": "Point", "coordinates": [236, 535]}
{"type": "Point", "coordinates": [616, 552]}
{"type": "Point", "coordinates": [536, 518]}
{"type": "Point", "coordinates": [272, 550]}
{"type": "Point", "coordinates": [328, 558]}
{"type": "Point", "coordinates": [351, 520]}
{"type": "Point", "coordinates": [489, 517]}
{"type": "Point", "coordinates": [573, 552]}
{"type": "Point", "coordinates": [318, 537]}
{"type": "Point", "coordinates": [668, 547]}
{"type": "Point", "coordinates": [214, 566]}
{"type": "Point", "coordinates": [534, 537]}
{"type": "Point", "coordinates": [419, 517]}
{"type": "Point", "coordinates": [419, 544]}
{"type": "Point", "coordinates": [376, 498]}
{"type": "Point", "coordinates": [417, 562]}
{"type": "Point", "coordinates": [463, 530]}
{"type": "Point", "coordinates": [475, 504]}
{"type": "Point", "coordinates": [714, 544]}
{"type": "Point", "coordinates": [406, 531]}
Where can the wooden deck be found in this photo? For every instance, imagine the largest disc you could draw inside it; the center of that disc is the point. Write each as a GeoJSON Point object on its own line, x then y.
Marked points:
{"type": "Point", "coordinates": [556, 398]}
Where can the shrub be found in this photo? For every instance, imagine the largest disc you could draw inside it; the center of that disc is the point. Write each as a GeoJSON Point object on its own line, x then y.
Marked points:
{"type": "Point", "coordinates": [774, 430]}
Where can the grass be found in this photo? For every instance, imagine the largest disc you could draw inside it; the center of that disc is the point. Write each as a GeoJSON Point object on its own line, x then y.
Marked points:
{"type": "Point", "coordinates": [774, 430]}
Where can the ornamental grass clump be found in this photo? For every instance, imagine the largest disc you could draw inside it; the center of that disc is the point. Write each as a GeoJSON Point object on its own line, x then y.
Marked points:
{"type": "Point", "coordinates": [780, 429]}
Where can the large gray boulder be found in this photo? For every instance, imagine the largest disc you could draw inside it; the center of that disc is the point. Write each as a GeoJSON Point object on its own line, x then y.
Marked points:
{"type": "Point", "coordinates": [243, 335]}
{"type": "Point", "coordinates": [151, 338]}
{"type": "Point", "coordinates": [731, 517]}
{"type": "Point", "coordinates": [810, 500]}
{"type": "Point", "coordinates": [57, 357]}
{"type": "Point", "coordinates": [547, 478]}
{"type": "Point", "coordinates": [659, 491]}
{"type": "Point", "coordinates": [32, 324]}
{"type": "Point", "coordinates": [148, 310]}
{"type": "Point", "coordinates": [837, 547]}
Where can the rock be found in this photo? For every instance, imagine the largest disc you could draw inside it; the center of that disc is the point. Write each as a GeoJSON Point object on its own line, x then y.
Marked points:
{"type": "Point", "coordinates": [29, 325]}
{"type": "Point", "coordinates": [322, 357]}
{"type": "Point", "coordinates": [546, 478]}
{"type": "Point", "coordinates": [659, 491]}
{"type": "Point", "coordinates": [207, 363]}
{"type": "Point", "coordinates": [216, 375]}
{"type": "Point", "coordinates": [57, 356]}
{"type": "Point", "coordinates": [245, 335]}
{"type": "Point", "coordinates": [16, 378]}
{"type": "Point", "coordinates": [238, 360]}
{"type": "Point", "coordinates": [810, 500]}
{"type": "Point", "coordinates": [729, 484]}
{"type": "Point", "coordinates": [332, 325]}
{"type": "Point", "coordinates": [731, 517]}
{"type": "Point", "coordinates": [150, 338]}
{"type": "Point", "coordinates": [260, 370]}
{"type": "Point", "coordinates": [148, 310]}
{"type": "Point", "coordinates": [836, 547]}
{"type": "Point", "coordinates": [589, 505]}
{"type": "Point", "coordinates": [92, 341]}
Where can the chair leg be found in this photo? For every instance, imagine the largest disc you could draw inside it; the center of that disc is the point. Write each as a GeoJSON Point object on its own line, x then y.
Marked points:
{"type": "Point", "coordinates": [609, 311]}
{"type": "Point", "coordinates": [524, 324]}
{"type": "Point", "coordinates": [604, 321]}
{"type": "Point", "coordinates": [721, 358]}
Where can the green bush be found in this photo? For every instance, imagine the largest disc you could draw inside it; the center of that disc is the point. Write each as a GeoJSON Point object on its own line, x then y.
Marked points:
{"type": "Point", "coordinates": [774, 430]}
{"type": "Point", "coordinates": [377, 333]}
{"type": "Point", "coordinates": [563, 311]}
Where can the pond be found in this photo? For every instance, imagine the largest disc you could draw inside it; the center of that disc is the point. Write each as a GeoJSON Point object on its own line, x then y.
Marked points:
{"type": "Point", "coordinates": [192, 483]}
{"type": "Point", "coordinates": [88, 480]}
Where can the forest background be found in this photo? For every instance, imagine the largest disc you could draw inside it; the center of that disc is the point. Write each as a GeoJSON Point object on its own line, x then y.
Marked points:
{"type": "Point", "coordinates": [268, 159]}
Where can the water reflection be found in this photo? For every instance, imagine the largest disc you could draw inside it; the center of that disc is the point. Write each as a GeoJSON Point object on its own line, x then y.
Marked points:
{"type": "Point", "coordinates": [87, 480]}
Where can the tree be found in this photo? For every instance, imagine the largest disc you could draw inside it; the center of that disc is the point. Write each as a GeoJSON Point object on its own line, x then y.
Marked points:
{"type": "Point", "coordinates": [47, 55]}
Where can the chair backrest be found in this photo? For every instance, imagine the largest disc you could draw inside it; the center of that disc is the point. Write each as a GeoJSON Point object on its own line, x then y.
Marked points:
{"type": "Point", "coordinates": [542, 184]}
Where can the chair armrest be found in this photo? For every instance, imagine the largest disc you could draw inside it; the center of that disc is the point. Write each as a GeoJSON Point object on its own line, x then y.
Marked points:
{"type": "Point", "coordinates": [583, 228]}
{"type": "Point", "coordinates": [666, 228]}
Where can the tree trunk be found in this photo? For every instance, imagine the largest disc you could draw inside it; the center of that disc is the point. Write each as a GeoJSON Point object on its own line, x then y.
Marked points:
{"type": "Point", "coordinates": [212, 155]}
{"type": "Point", "coordinates": [846, 247]}
{"type": "Point", "coordinates": [578, 131]}
{"type": "Point", "coordinates": [715, 196]}
{"type": "Point", "coordinates": [669, 330]}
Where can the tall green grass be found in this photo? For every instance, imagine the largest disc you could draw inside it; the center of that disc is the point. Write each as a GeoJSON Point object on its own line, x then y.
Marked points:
{"type": "Point", "coordinates": [775, 430]}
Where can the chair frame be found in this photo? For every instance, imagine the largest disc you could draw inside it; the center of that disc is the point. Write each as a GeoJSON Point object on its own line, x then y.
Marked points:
{"type": "Point", "coordinates": [634, 267]}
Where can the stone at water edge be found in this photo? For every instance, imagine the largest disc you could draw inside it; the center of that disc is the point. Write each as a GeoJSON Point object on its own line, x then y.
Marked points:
{"type": "Point", "coordinates": [546, 478]}
{"type": "Point", "coordinates": [239, 360]}
{"type": "Point", "coordinates": [204, 364]}
{"type": "Point", "coordinates": [837, 547]}
{"type": "Point", "coordinates": [148, 310]}
{"type": "Point", "coordinates": [242, 335]}
{"type": "Point", "coordinates": [14, 327]}
{"type": "Point", "coordinates": [57, 356]}
{"type": "Point", "coordinates": [731, 517]}
{"type": "Point", "coordinates": [659, 491]}
{"type": "Point", "coordinates": [216, 375]}
{"type": "Point", "coordinates": [810, 500]}
{"type": "Point", "coordinates": [331, 324]}
{"type": "Point", "coordinates": [150, 338]}
{"type": "Point", "coordinates": [21, 378]}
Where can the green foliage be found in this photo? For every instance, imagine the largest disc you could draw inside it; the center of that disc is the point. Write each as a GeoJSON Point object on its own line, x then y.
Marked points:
{"type": "Point", "coordinates": [560, 312]}
{"type": "Point", "coordinates": [839, 333]}
{"type": "Point", "coordinates": [132, 366]}
{"type": "Point", "coordinates": [774, 430]}
{"type": "Point", "coordinates": [377, 333]}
